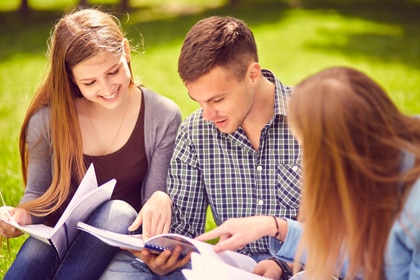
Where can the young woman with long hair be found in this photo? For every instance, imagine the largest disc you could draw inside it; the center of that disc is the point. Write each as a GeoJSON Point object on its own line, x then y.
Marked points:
{"type": "Point", "coordinates": [89, 110]}
{"type": "Point", "coordinates": [361, 187]}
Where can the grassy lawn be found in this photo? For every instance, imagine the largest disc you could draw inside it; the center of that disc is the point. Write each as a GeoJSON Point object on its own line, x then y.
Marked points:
{"type": "Point", "coordinates": [381, 40]}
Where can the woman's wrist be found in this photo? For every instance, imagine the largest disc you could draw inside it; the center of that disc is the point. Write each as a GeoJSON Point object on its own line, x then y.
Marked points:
{"type": "Point", "coordinates": [280, 228]}
{"type": "Point", "coordinates": [277, 232]}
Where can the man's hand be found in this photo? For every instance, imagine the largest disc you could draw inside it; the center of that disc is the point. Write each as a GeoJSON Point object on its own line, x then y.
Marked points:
{"type": "Point", "coordinates": [165, 262]}
{"type": "Point", "coordinates": [268, 268]}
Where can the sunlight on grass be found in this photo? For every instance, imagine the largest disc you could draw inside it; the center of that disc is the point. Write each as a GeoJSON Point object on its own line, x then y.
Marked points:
{"type": "Point", "coordinates": [307, 41]}
{"type": "Point", "coordinates": [162, 79]}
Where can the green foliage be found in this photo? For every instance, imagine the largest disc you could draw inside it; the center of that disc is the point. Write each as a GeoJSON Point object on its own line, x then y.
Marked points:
{"type": "Point", "coordinates": [382, 40]}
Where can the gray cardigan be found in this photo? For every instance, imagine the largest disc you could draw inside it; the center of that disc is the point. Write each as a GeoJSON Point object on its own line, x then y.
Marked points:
{"type": "Point", "coordinates": [162, 118]}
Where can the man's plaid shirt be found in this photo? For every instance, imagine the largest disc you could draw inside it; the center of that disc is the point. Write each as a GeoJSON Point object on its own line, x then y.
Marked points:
{"type": "Point", "coordinates": [209, 167]}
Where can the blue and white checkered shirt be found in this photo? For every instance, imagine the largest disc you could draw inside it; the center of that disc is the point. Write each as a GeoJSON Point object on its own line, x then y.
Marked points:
{"type": "Point", "coordinates": [222, 170]}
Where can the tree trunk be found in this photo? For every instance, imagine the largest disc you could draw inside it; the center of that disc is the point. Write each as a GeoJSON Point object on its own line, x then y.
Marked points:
{"type": "Point", "coordinates": [125, 5]}
{"type": "Point", "coordinates": [83, 3]}
{"type": "Point", "coordinates": [24, 7]}
{"type": "Point", "coordinates": [233, 3]}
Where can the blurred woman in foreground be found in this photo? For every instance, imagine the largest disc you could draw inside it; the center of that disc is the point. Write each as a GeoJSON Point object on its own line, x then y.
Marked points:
{"type": "Point", "coordinates": [361, 169]}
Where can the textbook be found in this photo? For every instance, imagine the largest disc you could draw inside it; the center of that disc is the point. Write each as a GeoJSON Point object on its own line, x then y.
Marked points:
{"type": "Point", "coordinates": [231, 263]}
{"type": "Point", "coordinates": [86, 199]}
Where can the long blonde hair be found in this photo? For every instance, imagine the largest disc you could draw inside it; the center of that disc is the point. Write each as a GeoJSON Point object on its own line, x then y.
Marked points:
{"type": "Point", "coordinates": [76, 37]}
{"type": "Point", "coordinates": [353, 188]}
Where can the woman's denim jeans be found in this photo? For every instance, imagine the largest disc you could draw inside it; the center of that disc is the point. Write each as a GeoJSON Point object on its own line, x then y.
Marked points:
{"type": "Point", "coordinates": [87, 257]}
{"type": "Point", "coordinates": [125, 266]}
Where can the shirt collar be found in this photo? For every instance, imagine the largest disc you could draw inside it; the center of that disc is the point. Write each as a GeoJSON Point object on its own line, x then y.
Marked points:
{"type": "Point", "coordinates": [281, 93]}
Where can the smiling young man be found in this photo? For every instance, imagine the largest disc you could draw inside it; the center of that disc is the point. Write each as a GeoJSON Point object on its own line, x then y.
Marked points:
{"type": "Point", "coordinates": [236, 154]}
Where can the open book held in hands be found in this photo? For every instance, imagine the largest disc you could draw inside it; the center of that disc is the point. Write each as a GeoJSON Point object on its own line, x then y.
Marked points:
{"type": "Point", "coordinates": [86, 199]}
{"type": "Point", "coordinates": [232, 260]}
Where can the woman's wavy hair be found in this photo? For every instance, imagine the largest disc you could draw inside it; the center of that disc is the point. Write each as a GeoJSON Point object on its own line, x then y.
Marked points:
{"type": "Point", "coordinates": [352, 136]}
{"type": "Point", "coordinates": [76, 37]}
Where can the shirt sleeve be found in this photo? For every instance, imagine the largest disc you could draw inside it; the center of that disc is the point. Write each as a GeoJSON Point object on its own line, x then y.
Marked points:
{"type": "Point", "coordinates": [162, 119]}
{"type": "Point", "coordinates": [186, 188]}
{"type": "Point", "coordinates": [38, 143]}
{"type": "Point", "coordinates": [402, 259]}
{"type": "Point", "coordinates": [286, 250]}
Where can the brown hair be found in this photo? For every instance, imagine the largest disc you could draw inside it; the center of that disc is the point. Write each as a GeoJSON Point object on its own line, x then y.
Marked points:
{"type": "Point", "coordinates": [217, 41]}
{"type": "Point", "coordinates": [76, 37]}
{"type": "Point", "coordinates": [353, 188]}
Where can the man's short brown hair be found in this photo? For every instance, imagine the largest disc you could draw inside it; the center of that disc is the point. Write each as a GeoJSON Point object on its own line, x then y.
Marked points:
{"type": "Point", "coordinates": [217, 41]}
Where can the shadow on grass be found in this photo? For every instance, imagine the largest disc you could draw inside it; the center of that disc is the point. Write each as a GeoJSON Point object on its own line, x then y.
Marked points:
{"type": "Point", "coordinates": [400, 40]}
{"type": "Point", "coordinates": [29, 34]}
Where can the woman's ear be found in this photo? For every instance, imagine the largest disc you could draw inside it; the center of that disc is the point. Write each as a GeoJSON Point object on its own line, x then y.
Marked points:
{"type": "Point", "coordinates": [127, 50]}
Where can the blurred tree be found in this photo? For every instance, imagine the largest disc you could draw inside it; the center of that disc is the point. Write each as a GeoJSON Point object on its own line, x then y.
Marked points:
{"type": "Point", "coordinates": [24, 7]}
{"type": "Point", "coordinates": [233, 2]}
{"type": "Point", "coordinates": [124, 5]}
{"type": "Point", "coordinates": [306, 3]}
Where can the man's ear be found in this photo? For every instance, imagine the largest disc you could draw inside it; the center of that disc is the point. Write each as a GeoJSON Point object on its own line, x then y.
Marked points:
{"type": "Point", "coordinates": [254, 71]}
{"type": "Point", "coordinates": [127, 50]}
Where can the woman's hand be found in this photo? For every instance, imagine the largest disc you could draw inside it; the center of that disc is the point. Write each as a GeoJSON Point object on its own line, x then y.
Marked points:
{"type": "Point", "coordinates": [237, 232]}
{"type": "Point", "coordinates": [19, 215]}
{"type": "Point", "coordinates": [155, 216]}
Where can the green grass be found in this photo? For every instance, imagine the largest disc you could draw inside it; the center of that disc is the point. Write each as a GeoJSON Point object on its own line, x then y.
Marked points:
{"type": "Point", "coordinates": [381, 40]}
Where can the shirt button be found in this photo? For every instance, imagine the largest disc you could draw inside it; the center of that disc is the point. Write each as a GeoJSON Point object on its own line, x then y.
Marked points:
{"type": "Point", "coordinates": [295, 168]}
{"type": "Point", "coordinates": [259, 168]}
{"type": "Point", "coordinates": [260, 202]}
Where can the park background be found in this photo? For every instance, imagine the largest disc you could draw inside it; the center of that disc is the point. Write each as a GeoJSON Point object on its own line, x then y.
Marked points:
{"type": "Point", "coordinates": [295, 39]}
